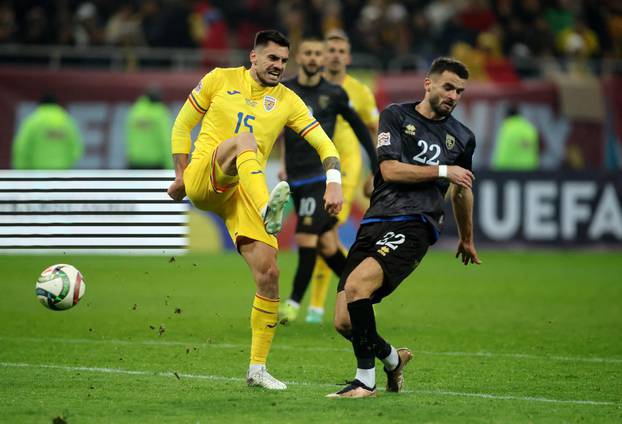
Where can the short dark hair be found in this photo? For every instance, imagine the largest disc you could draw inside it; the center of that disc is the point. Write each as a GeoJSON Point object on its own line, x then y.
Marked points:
{"type": "Point", "coordinates": [262, 38]}
{"type": "Point", "coordinates": [442, 64]}
{"type": "Point", "coordinates": [311, 36]}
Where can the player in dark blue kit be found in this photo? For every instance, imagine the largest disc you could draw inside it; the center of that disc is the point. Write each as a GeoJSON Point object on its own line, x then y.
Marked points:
{"type": "Point", "coordinates": [423, 152]}
{"type": "Point", "coordinates": [305, 173]}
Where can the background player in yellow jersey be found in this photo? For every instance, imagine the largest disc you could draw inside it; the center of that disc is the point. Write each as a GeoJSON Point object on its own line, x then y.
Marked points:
{"type": "Point", "coordinates": [363, 101]}
{"type": "Point", "coordinates": [242, 112]}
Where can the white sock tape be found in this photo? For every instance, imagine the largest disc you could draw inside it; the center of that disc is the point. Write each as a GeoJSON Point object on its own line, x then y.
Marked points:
{"type": "Point", "coordinates": [442, 171]}
{"type": "Point", "coordinates": [333, 176]}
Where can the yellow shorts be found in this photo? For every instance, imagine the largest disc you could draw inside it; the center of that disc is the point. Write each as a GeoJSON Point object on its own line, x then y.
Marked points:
{"type": "Point", "coordinates": [350, 182]}
{"type": "Point", "coordinates": [209, 189]}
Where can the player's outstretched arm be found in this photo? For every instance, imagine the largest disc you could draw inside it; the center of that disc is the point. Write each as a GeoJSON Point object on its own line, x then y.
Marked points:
{"type": "Point", "coordinates": [462, 203]}
{"type": "Point", "coordinates": [326, 150]}
{"type": "Point", "coordinates": [395, 171]}
{"type": "Point", "coordinates": [187, 118]}
{"type": "Point", "coordinates": [333, 196]}
{"type": "Point", "coordinates": [177, 189]}
{"type": "Point", "coordinates": [362, 133]}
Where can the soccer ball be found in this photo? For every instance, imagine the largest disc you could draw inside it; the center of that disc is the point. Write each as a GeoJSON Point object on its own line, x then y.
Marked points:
{"type": "Point", "coordinates": [60, 287]}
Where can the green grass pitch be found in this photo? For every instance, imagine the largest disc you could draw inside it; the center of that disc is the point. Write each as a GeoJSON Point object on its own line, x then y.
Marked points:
{"type": "Point", "coordinates": [525, 337]}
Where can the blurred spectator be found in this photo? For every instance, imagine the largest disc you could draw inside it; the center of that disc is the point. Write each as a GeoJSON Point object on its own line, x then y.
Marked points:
{"type": "Point", "coordinates": [615, 29]}
{"type": "Point", "coordinates": [36, 27]}
{"type": "Point", "coordinates": [175, 25]}
{"type": "Point", "coordinates": [394, 32]}
{"type": "Point", "coordinates": [149, 133]}
{"type": "Point", "coordinates": [294, 21]}
{"type": "Point", "coordinates": [578, 40]}
{"type": "Point", "coordinates": [331, 15]}
{"type": "Point", "coordinates": [559, 16]}
{"type": "Point", "coordinates": [63, 23]}
{"type": "Point", "coordinates": [88, 29]}
{"type": "Point", "coordinates": [124, 28]}
{"type": "Point", "coordinates": [496, 66]}
{"type": "Point", "coordinates": [151, 21]}
{"type": "Point", "coordinates": [8, 24]}
{"type": "Point", "coordinates": [516, 147]}
{"type": "Point", "coordinates": [47, 139]}
{"type": "Point", "coordinates": [477, 16]}
{"type": "Point", "coordinates": [595, 16]}
{"type": "Point", "coordinates": [474, 59]}
{"type": "Point", "coordinates": [208, 26]}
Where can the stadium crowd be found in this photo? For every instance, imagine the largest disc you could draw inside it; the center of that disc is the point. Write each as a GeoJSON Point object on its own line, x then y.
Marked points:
{"type": "Point", "coordinates": [489, 35]}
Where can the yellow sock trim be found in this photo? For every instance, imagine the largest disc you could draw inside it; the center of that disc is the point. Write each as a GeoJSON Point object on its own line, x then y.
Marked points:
{"type": "Point", "coordinates": [252, 178]}
{"type": "Point", "coordinates": [264, 316]}
{"type": "Point", "coordinates": [320, 281]}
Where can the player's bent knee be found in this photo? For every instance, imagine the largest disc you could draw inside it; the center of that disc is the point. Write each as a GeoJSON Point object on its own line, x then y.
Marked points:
{"type": "Point", "coordinates": [343, 327]}
{"type": "Point", "coordinates": [268, 279]}
{"type": "Point", "coordinates": [356, 291]}
{"type": "Point", "coordinates": [327, 250]}
{"type": "Point", "coordinates": [269, 273]}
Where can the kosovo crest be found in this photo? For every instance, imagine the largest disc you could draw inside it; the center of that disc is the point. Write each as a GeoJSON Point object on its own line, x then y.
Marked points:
{"type": "Point", "coordinates": [269, 103]}
{"type": "Point", "coordinates": [323, 101]}
{"type": "Point", "coordinates": [450, 141]}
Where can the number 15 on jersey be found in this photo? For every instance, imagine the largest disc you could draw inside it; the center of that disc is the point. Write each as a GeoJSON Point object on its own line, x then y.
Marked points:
{"type": "Point", "coordinates": [244, 120]}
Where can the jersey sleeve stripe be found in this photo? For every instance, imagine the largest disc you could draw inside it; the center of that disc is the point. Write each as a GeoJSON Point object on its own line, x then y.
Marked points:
{"type": "Point", "coordinates": [306, 130]}
{"type": "Point", "coordinates": [196, 104]}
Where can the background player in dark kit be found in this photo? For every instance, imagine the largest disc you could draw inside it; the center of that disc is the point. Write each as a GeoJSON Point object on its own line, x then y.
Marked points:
{"type": "Point", "coordinates": [421, 150]}
{"type": "Point", "coordinates": [305, 173]}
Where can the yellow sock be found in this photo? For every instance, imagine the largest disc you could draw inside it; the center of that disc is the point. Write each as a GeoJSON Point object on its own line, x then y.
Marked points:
{"type": "Point", "coordinates": [320, 280]}
{"type": "Point", "coordinates": [252, 178]}
{"type": "Point", "coordinates": [263, 326]}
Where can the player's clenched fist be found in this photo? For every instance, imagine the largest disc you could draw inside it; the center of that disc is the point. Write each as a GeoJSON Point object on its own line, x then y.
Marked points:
{"type": "Point", "coordinates": [333, 198]}
{"type": "Point", "coordinates": [177, 190]}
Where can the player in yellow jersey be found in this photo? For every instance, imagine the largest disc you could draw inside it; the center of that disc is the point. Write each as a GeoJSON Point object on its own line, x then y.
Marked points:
{"type": "Point", "coordinates": [362, 100]}
{"type": "Point", "coordinates": [242, 113]}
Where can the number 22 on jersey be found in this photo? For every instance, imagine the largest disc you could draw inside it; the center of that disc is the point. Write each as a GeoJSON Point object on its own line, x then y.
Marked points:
{"type": "Point", "coordinates": [429, 153]}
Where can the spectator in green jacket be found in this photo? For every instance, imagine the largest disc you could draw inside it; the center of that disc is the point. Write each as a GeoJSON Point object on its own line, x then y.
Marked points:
{"type": "Point", "coordinates": [517, 147]}
{"type": "Point", "coordinates": [47, 139]}
{"type": "Point", "coordinates": [149, 133]}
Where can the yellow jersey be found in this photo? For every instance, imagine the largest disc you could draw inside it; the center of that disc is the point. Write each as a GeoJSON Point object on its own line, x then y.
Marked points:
{"type": "Point", "coordinates": [230, 102]}
{"type": "Point", "coordinates": [364, 103]}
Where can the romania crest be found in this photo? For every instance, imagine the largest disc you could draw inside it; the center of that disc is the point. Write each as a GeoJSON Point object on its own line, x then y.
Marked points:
{"type": "Point", "coordinates": [269, 103]}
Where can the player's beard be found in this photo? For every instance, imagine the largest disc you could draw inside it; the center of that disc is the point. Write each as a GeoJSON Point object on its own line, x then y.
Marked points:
{"type": "Point", "coordinates": [310, 72]}
{"type": "Point", "coordinates": [334, 67]}
{"type": "Point", "coordinates": [436, 103]}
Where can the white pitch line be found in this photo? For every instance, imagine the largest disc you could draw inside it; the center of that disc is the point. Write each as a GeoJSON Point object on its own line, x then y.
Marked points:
{"type": "Point", "coordinates": [525, 356]}
{"type": "Point", "coordinates": [521, 398]}
{"type": "Point", "coordinates": [278, 346]}
{"type": "Point", "coordinates": [299, 383]}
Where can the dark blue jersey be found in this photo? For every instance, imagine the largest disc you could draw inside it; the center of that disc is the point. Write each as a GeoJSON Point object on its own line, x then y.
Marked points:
{"type": "Point", "coordinates": [407, 136]}
{"type": "Point", "coordinates": [325, 101]}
